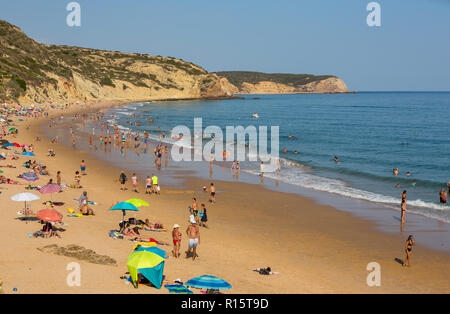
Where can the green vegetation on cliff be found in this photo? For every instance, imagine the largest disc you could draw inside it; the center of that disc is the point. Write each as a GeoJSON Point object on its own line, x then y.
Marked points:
{"type": "Point", "coordinates": [238, 77]}
{"type": "Point", "coordinates": [24, 62]}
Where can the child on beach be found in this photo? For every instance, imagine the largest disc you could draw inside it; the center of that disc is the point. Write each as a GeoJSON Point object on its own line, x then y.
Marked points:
{"type": "Point", "coordinates": [203, 216]}
{"type": "Point", "coordinates": [122, 180]}
{"type": "Point", "coordinates": [148, 185]}
{"type": "Point", "coordinates": [176, 237]}
{"type": "Point", "coordinates": [83, 167]}
{"type": "Point", "coordinates": [213, 194]}
{"type": "Point", "coordinates": [77, 179]}
{"type": "Point", "coordinates": [134, 181]}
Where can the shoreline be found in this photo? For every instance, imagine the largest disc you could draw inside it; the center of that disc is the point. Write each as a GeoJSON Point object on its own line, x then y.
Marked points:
{"type": "Point", "coordinates": [321, 249]}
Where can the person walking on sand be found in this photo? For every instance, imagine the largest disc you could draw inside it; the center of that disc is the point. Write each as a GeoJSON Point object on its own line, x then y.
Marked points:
{"type": "Point", "coordinates": [58, 178]}
{"type": "Point", "coordinates": [193, 234]}
{"type": "Point", "coordinates": [213, 194]}
{"type": "Point", "coordinates": [408, 250]}
{"type": "Point", "coordinates": [203, 216]}
{"type": "Point", "coordinates": [134, 181]}
{"type": "Point", "coordinates": [83, 167]}
{"type": "Point", "coordinates": [176, 237]}
{"type": "Point", "coordinates": [77, 179]}
{"type": "Point", "coordinates": [122, 180]}
{"type": "Point", "coordinates": [148, 185]}
{"type": "Point", "coordinates": [155, 183]}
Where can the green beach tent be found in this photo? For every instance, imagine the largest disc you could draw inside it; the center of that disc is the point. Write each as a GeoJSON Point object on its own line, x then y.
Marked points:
{"type": "Point", "coordinates": [149, 264]}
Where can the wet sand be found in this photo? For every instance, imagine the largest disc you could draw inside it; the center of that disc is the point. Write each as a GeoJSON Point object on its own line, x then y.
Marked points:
{"type": "Point", "coordinates": [316, 248]}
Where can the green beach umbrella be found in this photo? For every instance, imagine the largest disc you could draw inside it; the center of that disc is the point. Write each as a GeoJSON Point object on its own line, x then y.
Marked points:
{"type": "Point", "coordinates": [137, 202]}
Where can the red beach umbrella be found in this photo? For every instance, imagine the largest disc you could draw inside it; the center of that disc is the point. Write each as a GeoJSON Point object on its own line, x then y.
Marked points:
{"type": "Point", "coordinates": [50, 215]}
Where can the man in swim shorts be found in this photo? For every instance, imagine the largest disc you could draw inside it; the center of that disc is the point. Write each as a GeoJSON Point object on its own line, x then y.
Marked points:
{"type": "Point", "coordinates": [193, 234]}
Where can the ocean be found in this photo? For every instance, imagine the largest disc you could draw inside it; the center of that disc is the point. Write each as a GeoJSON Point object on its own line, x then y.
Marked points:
{"type": "Point", "coordinates": [370, 132]}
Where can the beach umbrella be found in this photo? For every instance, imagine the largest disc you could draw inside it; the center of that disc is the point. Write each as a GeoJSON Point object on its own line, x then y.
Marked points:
{"type": "Point", "coordinates": [29, 176]}
{"type": "Point", "coordinates": [28, 154]}
{"type": "Point", "coordinates": [149, 264]}
{"type": "Point", "coordinates": [152, 249]}
{"type": "Point", "coordinates": [8, 144]}
{"type": "Point", "coordinates": [50, 215]}
{"type": "Point", "coordinates": [3, 141]}
{"type": "Point", "coordinates": [208, 282]}
{"type": "Point", "coordinates": [12, 129]}
{"type": "Point", "coordinates": [50, 189]}
{"type": "Point", "coordinates": [124, 206]}
{"type": "Point", "coordinates": [137, 202]}
{"type": "Point", "coordinates": [17, 145]}
{"type": "Point", "coordinates": [25, 197]}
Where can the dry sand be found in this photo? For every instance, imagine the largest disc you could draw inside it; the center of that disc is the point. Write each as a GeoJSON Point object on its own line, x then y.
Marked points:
{"type": "Point", "coordinates": [316, 249]}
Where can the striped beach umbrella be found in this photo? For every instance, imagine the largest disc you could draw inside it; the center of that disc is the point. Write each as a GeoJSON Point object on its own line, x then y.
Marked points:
{"type": "Point", "coordinates": [29, 176]}
{"type": "Point", "coordinates": [50, 189]}
{"type": "Point", "coordinates": [208, 282]}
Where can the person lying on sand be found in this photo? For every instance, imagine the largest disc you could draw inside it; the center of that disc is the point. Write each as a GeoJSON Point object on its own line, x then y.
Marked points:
{"type": "Point", "coordinates": [265, 271]}
{"type": "Point", "coordinates": [140, 239]}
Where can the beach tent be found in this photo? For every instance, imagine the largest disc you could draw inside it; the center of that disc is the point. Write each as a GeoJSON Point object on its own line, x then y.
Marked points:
{"type": "Point", "coordinates": [149, 264]}
{"type": "Point", "coordinates": [153, 249]}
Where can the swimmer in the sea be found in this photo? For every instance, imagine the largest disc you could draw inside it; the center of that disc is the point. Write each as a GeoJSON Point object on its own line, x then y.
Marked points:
{"type": "Point", "coordinates": [336, 160]}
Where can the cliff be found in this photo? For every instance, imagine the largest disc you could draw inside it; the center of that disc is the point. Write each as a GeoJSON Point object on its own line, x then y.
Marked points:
{"type": "Point", "coordinates": [264, 83]}
{"type": "Point", "coordinates": [39, 73]}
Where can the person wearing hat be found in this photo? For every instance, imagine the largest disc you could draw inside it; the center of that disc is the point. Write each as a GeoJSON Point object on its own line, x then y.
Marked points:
{"type": "Point", "coordinates": [193, 234]}
{"type": "Point", "coordinates": [176, 237]}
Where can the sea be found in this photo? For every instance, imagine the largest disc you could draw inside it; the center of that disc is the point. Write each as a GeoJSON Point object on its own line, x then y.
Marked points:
{"type": "Point", "coordinates": [371, 133]}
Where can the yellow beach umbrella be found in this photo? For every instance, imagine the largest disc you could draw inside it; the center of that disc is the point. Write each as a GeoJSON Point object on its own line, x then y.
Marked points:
{"type": "Point", "coordinates": [137, 202]}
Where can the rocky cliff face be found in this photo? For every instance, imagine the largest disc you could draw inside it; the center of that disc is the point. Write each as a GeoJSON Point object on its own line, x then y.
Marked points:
{"type": "Point", "coordinates": [33, 72]}
{"type": "Point", "coordinates": [263, 83]}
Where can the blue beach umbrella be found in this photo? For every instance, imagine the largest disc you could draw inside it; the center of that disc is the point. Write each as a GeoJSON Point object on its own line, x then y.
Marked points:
{"type": "Point", "coordinates": [28, 154]}
{"type": "Point", "coordinates": [208, 282]}
{"type": "Point", "coordinates": [8, 144]}
{"type": "Point", "coordinates": [124, 206]}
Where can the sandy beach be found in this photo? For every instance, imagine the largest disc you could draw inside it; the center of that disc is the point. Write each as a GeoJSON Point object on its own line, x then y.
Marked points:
{"type": "Point", "coordinates": [315, 248]}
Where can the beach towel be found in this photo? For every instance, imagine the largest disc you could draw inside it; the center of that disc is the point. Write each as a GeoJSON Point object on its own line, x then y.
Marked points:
{"type": "Point", "coordinates": [115, 234]}
{"type": "Point", "coordinates": [178, 289]}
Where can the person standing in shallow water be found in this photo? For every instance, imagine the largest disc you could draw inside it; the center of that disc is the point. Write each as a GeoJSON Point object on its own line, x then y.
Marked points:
{"type": "Point", "coordinates": [443, 196]}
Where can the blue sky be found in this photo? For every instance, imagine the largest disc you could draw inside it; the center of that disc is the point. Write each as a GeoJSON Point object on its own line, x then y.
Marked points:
{"type": "Point", "coordinates": [410, 51]}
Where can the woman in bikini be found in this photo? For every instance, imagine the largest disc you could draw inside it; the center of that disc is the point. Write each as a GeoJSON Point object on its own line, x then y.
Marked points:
{"type": "Point", "coordinates": [176, 237]}
{"type": "Point", "coordinates": [408, 250]}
